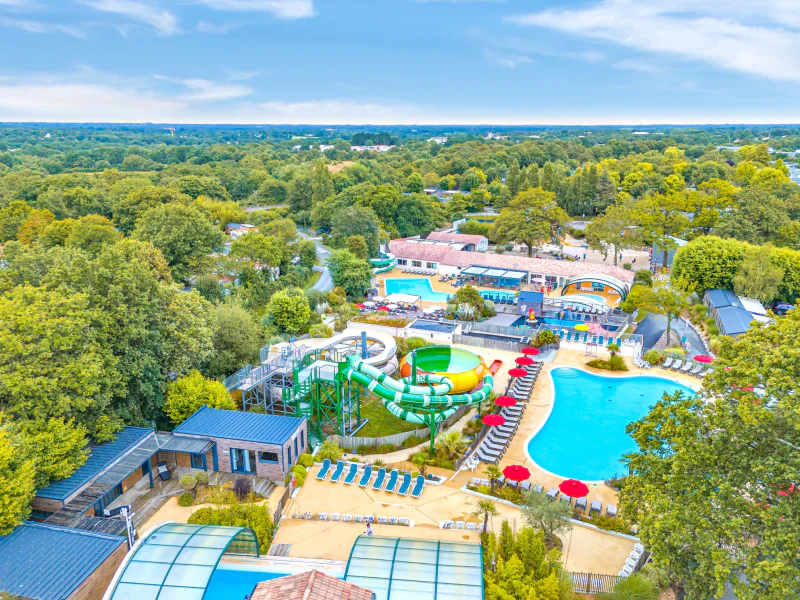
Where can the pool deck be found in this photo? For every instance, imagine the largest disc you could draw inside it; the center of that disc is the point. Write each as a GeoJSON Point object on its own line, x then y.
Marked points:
{"type": "Point", "coordinates": [438, 286]}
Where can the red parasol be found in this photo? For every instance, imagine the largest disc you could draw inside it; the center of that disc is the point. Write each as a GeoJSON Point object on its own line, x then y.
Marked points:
{"type": "Point", "coordinates": [359, 305]}
{"type": "Point", "coordinates": [704, 358]}
{"type": "Point", "coordinates": [530, 351]}
{"type": "Point", "coordinates": [517, 373]}
{"type": "Point", "coordinates": [744, 389]}
{"type": "Point", "coordinates": [383, 308]}
{"type": "Point", "coordinates": [573, 488]}
{"type": "Point", "coordinates": [505, 401]}
{"type": "Point", "coordinates": [494, 420]}
{"type": "Point", "coordinates": [524, 361]}
{"type": "Point", "coordinates": [516, 473]}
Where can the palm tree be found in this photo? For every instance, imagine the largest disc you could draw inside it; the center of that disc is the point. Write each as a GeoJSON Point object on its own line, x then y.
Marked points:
{"type": "Point", "coordinates": [453, 443]}
{"type": "Point", "coordinates": [493, 472]}
{"type": "Point", "coordinates": [634, 587]}
{"type": "Point", "coordinates": [487, 509]}
{"type": "Point", "coordinates": [421, 461]}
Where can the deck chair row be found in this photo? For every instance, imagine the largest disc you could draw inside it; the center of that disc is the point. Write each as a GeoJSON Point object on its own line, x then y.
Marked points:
{"type": "Point", "coordinates": [382, 482]}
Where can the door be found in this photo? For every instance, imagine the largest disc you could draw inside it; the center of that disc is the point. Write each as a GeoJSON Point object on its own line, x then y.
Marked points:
{"type": "Point", "coordinates": [243, 461]}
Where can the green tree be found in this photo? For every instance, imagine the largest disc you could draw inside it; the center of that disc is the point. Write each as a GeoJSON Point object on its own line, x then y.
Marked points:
{"type": "Point", "coordinates": [609, 232]}
{"type": "Point", "coordinates": [139, 200]}
{"type": "Point", "coordinates": [661, 219]}
{"type": "Point", "coordinates": [350, 272]}
{"type": "Point", "coordinates": [289, 310]}
{"type": "Point", "coordinates": [258, 248]}
{"type": "Point", "coordinates": [237, 339]}
{"type": "Point", "coordinates": [708, 263]}
{"type": "Point", "coordinates": [514, 179]}
{"type": "Point", "coordinates": [17, 489]}
{"type": "Point", "coordinates": [663, 299]}
{"type": "Point", "coordinates": [417, 214]}
{"type": "Point", "coordinates": [453, 443]}
{"type": "Point", "coordinates": [358, 246]}
{"type": "Point", "coordinates": [56, 447]}
{"type": "Point", "coordinates": [221, 212]}
{"type": "Point", "coordinates": [421, 461]}
{"type": "Point", "coordinates": [321, 183]}
{"type": "Point", "coordinates": [415, 184]}
{"type": "Point", "coordinates": [92, 233]}
{"type": "Point", "coordinates": [183, 234]}
{"type": "Point", "coordinates": [493, 472]}
{"type": "Point", "coordinates": [187, 394]}
{"type": "Point", "coordinates": [357, 220]}
{"type": "Point", "coordinates": [757, 276]}
{"type": "Point", "coordinates": [195, 186]}
{"type": "Point", "coordinates": [12, 217]}
{"type": "Point", "coordinates": [540, 512]}
{"type": "Point", "coordinates": [307, 251]}
{"type": "Point", "coordinates": [531, 218]}
{"type": "Point", "coordinates": [208, 287]}
{"type": "Point", "coordinates": [35, 226]}
{"type": "Point", "coordinates": [486, 508]}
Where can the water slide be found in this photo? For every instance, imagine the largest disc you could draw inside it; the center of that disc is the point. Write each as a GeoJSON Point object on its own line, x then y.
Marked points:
{"type": "Point", "coordinates": [427, 403]}
{"type": "Point", "coordinates": [385, 263]}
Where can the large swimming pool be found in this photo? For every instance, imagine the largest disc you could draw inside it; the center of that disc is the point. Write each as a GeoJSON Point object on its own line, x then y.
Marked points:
{"type": "Point", "coordinates": [234, 582]}
{"type": "Point", "coordinates": [415, 287]}
{"type": "Point", "coordinates": [584, 436]}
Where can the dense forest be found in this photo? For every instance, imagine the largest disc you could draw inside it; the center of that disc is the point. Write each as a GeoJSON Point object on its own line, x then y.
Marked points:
{"type": "Point", "coordinates": [117, 276]}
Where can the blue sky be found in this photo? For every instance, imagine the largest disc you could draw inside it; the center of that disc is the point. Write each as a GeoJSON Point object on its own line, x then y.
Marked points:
{"type": "Point", "coordinates": [400, 61]}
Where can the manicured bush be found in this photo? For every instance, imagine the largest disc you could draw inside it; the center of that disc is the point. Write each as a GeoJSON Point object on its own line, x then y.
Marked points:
{"type": "Point", "coordinates": [201, 477]}
{"type": "Point", "coordinates": [329, 450]}
{"type": "Point", "coordinates": [299, 470]}
{"type": "Point", "coordinates": [242, 488]}
{"type": "Point", "coordinates": [188, 481]}
{"type": "Point", "coordinates": [654, 357]}
{"type": "Point", "coordinates": [255, 516]}
{"type": "Point", "coordinates": [713, 330]}
{"type": "Point", "coordinates": [386, 448]}
{"type": "Point", "coordinates": [614, 363]}
{"type": "Point", "coordinates": [185, 499]}
{"type": "Point", "coordinates": [305, 459]}
{"type": "Point", "coordinates": [627, 266]}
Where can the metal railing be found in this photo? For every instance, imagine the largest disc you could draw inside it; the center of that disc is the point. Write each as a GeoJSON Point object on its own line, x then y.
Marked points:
{"type": "Point", "coordinates": [593, 583]}
{"type": "Point", "coordinates": [481, 342]}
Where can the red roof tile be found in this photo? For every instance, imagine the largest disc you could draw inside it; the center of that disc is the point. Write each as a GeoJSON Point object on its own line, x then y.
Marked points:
{"type": "Point", "coordinates": [542, 266]}
{"type": "Point", "coordinates": [461, 238]}
{"type": "Point", "coordinates": [312, 585]}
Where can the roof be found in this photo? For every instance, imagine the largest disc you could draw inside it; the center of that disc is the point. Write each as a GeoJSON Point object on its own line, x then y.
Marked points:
{"type": "Point", "coordinates": [177, 561]}
{"type": "Point", "coordinates": [540, 266]}
{"type": "Point", "coordinates": [242, 426]}
{"type": "Point", "coordinates": [312, 585]}
{"type": "Point", "coordinates": [177, 443]}
{"type": "Point", "coordinates": [101, 457]}
{"type": "Point", "coordinates": [464, 238]}
{"type": "Point", "coordinates": [407, 569]}
{"type": "Point", "coordinates": [530, 298]}
{"type": "Point", "coordinates": [49, 562]}
{"type": "Point", "coordinates": [734, 320]}
{"type": "Point", "coordinates": [720, 298]}
{"type": "Point", "coordinates": [622, 287]}
{"type": "Point", "coordinates": [753, 306]}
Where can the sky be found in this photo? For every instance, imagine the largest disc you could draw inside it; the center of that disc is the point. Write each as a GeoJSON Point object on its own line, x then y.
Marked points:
{"type": "Point", "coordinates": [566, 62]}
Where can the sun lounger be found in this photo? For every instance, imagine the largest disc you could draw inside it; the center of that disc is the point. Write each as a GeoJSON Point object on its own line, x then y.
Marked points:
{"type": "Point", "coordinates": [580, 504]}
{"type": "Point", "coordinates": [338, 472]}
{"type": "Point", "coordinates": [525, 486]}
{"type": "Point", "coordinates": [364, 482]}
{"type": "Point", "coordinates": [513, 484]}
{"type": "Point", "coordinates": [496, 448]}
{"type": "Point", "coordinates": [702, 374]}
{"type": "Point", "coordinates": [597, 506]}
{"type": "Point", "coordinates": [611, 511]}
{"type": "Point", "coordinates": [538, 488]}
{"type": "Point", "coordinates": [378, 484]}
{"type": "Point", "coordinates": [638, 547]}
{"type": "Point", "coordinates": [677, 365]}
{"type": "Point", "coordinates": [500, 481]}
{"type": "Point", "coordinates": [486, 482]}
{"type": "Point", "coordinates": [382, 520]}
{"type": "Point", "coordinates": [323, 471]}
{"type": "Point", "coordinates": [471, 527]}
{"type": "Point", "coordinates": [626, 570]}
{"type": "Point", "coordinates": [487, 457]}
{"type": "Point", "coordinates": [351, 474]}
{"type": "Point", "coordinates": [552, 493]}
{"type": "Point", "coordinates": [418, 487]}
{"type": "Point", "coordinates": [687, 367]}
{"type": "Point", "coordinates": [322, 516]}
{"type": "Point", "coordinates": [696, 370]}
{"type": "Point", "coordinates": [406, 485]}
{"type": "Point", "coordinates": [334, 516]}
{"type": "Point", "coordinates": [461, 524]}
{"type": "Point", "coordinates": [347, 519]}
{"type": "Point", "coordinates": [666, 364]}
{"type": "Point", "coordinates": [566, 499]}
{"type": "Point", "coordinates": [476, 481]}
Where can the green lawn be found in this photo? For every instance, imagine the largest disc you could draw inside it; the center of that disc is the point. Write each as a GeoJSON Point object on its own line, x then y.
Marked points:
{"type": "Point", "coordinates": [641, 315]}
{"type": "Point", "coordinates": [381, 421]}
{"type": "Point", "coordinates": [315, 275]}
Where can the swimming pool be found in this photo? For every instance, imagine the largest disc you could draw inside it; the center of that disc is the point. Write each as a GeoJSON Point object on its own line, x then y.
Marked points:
{"type": "Point", "coordinates": [234, 582]}
{"type": "Point", "coordinates": [584, 435]}
{"type": "Point", "coordinates": [493, 295]}
{"type": "Point", "coordinates": [415, 287]}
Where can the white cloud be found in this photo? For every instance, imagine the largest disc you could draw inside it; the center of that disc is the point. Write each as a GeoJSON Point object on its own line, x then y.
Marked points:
{"type": "Point", "coordinates": [32, 26]}
{"type": "Point", "coordinates": [713, 33]}
{"type": "Point", "coordinates": [205, 90]}
{"type": "Point", "coordinates": [282, 9]}
{"type": "Point", "coordinates": [215, 28]}
{"type": "Point", "coordinates": [163, 21]}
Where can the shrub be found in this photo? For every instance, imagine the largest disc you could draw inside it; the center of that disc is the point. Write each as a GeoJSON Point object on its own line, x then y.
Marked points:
{"type": "Point", "coordinates": [415, 343]}
{"type": "Point", "coordinates": [509, 247]}
{"type": "Point", "coordinates": [188, 482]}
{"type": "Point", "coordinates": [329, 450]}
{"type": "Point", "coordinates": [653, 357]}
{"type": "Point", "coordinates": [299, 479]}
{"type": "Point", "coordinates": [241, 488]}
{"type": "Point", "coordinates": [185, 499]}
{"type": "Point", "coordinates": [713, 330]}
{"type": "Point", "coordinates": [320, 331]}
{"type": "Point", "coordinates": [545, 337]}
{"type": "Point", "coordinates": [299, 470]}
{"type": "Point", "coordinates": [608, 523]}
{"type": "Point", "coordinates": [340, 324]}
{"type": "Point", "coordinates": [305, 459]}
{"type": "Point", "coordinates": [412, 441]}
{"type": "Point", "coordinates": [627, 266]}
{"type": "Point", "coordinates": [614, 363]}
{"type": "Point", "coordinates": [643, 277]}
{"type": "Point", "coordinates": [201, 477]}
{"type": "Point", "coordinates": [255, 516]}
{"type": "Point", "coordinates": [386, 448]}
{"type": "Point", "coordinates": [378, 463]}
{"type": "Point", "coordinates": [710, 321]}
{"type": "Point", "coordinates": [365, 449]}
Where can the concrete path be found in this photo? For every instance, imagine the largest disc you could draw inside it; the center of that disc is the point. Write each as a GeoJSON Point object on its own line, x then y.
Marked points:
{"type": "Point", "coordinates": [325, 282]}
{"type": "Point", "coordinates": [653, 327]}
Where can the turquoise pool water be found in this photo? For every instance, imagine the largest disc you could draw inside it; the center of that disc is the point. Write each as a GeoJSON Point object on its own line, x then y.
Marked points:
{"type": "Point", "coordinates": [415, 287]}
{"type": "Point", "coordinates": [582, 295]}
{"type": "Point", "coordinates": [236, 583]}
{"type": "Point", "coordinates": [584, 436]}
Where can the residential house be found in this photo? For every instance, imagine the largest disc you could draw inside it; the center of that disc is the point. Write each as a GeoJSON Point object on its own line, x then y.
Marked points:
{"type": "Point", "coordinates": [730, 312]}
{"type": "Point", "coordinates": [236, 230]}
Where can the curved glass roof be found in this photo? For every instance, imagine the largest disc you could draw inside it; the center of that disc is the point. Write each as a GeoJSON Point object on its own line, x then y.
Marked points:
{"type": "Point", "coordinates": [409, 569]}
{"type": "Point", "coordinates": [622, 287]}
{"type": "Point", "coordinates": [176, 560]}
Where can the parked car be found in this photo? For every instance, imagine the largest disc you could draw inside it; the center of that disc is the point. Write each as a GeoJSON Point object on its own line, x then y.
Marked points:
{"type": "Point", "coordinates": [782, 308]}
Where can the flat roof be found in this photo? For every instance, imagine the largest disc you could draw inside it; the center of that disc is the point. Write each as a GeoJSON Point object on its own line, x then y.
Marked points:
{"type": "Point", "coordinates": [101, 457]}
{"type": "Point", "coordinates": [48, 562]}
{"type": "Point", "coordinates": [242, 426]}
{"type": "Point", "coordinates": [494, 273]}
{"type": "Point", "coordinates": [735, 320]}
{"type": "Point", "coordinates": [720, 298]}
{"type": "Point", "coordinates": [474, 271]}
{"type": "Point", "coordinates": [424, 325]}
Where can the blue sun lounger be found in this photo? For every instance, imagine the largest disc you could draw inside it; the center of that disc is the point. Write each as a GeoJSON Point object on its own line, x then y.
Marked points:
{"type": "Point", "coordinates": [338, 472]}
{"type": "Point", "coordinates": [378, 484]}
{"type": "Point", "coordinates": [323, 471]}
{"type": "Point", "coordinates": [365, 477]}
{"type": "Point", "coordinates": [417, 491]}
{"type": "Point", "coordinates": [392, 483]}
{"type": "Point", "coordinates": [406, 485]}
{"type": "Point", "coordinates": [351, 474]}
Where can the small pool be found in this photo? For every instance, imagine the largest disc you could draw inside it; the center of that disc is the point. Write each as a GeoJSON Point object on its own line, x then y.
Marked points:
{"type": "Point", "coordinates": [584, 436]}
{"type": "Point", "coordinates": [415, 287]}
{"type": "Point", "coordinates": [574, 322]}
{"type": "Point", "coordinates": [597, 297]}
{"type": "Point", "coordinates": [233, 582]}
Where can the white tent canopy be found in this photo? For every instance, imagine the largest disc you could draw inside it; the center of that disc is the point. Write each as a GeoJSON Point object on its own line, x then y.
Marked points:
{"type": "Point", "coordinates": [401, 299]}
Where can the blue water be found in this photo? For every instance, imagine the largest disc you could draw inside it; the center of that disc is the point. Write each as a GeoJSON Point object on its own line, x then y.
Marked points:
{"type": "Point", "coordinates": [572, 323]}
{"type": "Point", "coordinates": [415, 287]}
{"type": "Point", "coordinates": [582, 294]}
{"type": "Point", "coordinates": [584, 436]}
{"type": "Point", "coordinates": [492, 295]}
{"type": "Point", "coordinates": [236, 583]}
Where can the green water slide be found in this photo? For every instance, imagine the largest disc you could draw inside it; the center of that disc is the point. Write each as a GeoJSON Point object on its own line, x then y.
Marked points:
{"type": "Point", "coordinates": [427, 404]}
{"type": "Point", "coordinates": [384, 264]}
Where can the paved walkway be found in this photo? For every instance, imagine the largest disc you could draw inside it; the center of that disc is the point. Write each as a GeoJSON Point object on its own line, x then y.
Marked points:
{"type": "Point", "coordinates": [653, 326]}
{"type": "Point", "coordinates": [324, 283]}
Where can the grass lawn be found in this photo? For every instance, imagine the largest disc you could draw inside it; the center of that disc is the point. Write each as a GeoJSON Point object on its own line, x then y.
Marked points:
{"type": "Point", "coordinates": [315, 275]}
{"type": "Point", "coordinates": [381, 421]}
{"type": "Point", "coordinates": [641, 315]}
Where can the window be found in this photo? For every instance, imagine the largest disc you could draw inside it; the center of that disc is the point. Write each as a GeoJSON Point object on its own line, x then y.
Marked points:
{"type": "Point", "coordinates": [289, 454]}
{"type": "Point", "coordinates": [402, 261]}
{"type": "Point", "coordinates": [295, 447]}
{"type": "Point", "coordinates": [416, 263]}
{"type": "Point", "coordinates": [268, 457]}
{"type": "Point", "coordinates": [431, 265]}
{"type": "Point", "coordinates": [197, 461]}
{"type": "Point", "coordinates": [302, 440]}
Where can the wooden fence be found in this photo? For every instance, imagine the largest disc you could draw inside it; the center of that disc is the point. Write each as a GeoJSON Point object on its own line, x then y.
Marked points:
{"type": "Point", "coordinates": [276, 517]}
{"type": "Point", "coordinates": [351, 443]}
{"type": "Point", "coordinates": [593, 583]}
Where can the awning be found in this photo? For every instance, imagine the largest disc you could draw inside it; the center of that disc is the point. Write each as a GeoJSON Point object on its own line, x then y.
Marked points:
{"type": "Point", "coordinates": [401, 299]}
{"type": "Point", "coordinates": [177, 443]}
{"type": "Point", "coordinates": [474, 271]}
{"type": "Point", "coordinates": [493, 273]}
{"type": "Point", "coordinates": [515, 275]}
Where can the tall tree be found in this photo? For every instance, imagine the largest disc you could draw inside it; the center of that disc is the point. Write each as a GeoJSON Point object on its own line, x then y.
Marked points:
{"type": "Point", "coordinates": [531, 219]}
{"type": "Point", "coordinates": [17, 472]}
{"type": "Point", "coordinates": [662, 218]}
{"type": "Point", "coordinates": [321, 183]}
{"type": "Point", "coordinates": [667, 300]}
{"type": "Point", "coordinates": [350, 272]}
{"type": "Point", "coordinates": [289, 310]}
{"type": "Point", "coordinates": [514, 179]}
{"type": "Point", "coordinates": [609, 232]}
{"type": "Point", "coordinates": [187, 394]}
{"type": "Point", "coordinates": [757, 276]}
